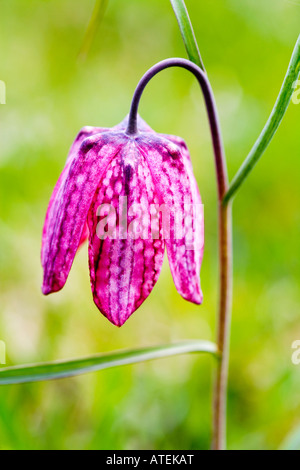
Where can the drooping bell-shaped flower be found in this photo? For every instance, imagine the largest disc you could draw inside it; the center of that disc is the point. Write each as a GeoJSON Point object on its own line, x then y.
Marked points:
{"type": "Point", "coordinates": [132, 195]}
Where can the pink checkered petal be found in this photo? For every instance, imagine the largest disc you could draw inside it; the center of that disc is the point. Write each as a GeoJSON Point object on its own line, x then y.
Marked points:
{"type": "Point", "coordinates": [68, 212]}
{"type": "Point", "coordinates": [125, 260]}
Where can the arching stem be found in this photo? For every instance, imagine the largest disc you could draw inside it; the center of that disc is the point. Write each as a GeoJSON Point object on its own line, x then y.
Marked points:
{"type": "Point", "coordinates": [225, 233]}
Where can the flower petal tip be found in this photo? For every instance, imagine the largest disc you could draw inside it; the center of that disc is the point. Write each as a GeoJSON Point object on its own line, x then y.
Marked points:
{"type": "Point", "coordinates": [194, 297]}
{"type": "Point", "coordinates": [45, 290]}
{"type": "Point", "coordinates": [116, 319]}
{"type": "Point", "coordinates": [199, 299]}
{"type": "Point", "coordinates": [117, 322]}
{"type": "Point", "coordinates": [48, 288]}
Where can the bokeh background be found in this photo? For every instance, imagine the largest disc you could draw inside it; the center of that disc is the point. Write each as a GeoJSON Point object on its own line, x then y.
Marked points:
{"type": "Point", "coordinates": [246, 47]}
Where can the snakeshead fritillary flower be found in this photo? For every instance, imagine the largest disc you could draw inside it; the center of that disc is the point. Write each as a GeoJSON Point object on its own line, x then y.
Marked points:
{"type": "Point", "coordinates": [108, 168]}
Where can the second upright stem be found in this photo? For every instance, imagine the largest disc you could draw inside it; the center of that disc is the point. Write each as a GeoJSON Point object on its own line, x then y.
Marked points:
{"type": "Point", "coordinates": [225, 234]}
{"type": "Point", "coordinates": [224, 321]}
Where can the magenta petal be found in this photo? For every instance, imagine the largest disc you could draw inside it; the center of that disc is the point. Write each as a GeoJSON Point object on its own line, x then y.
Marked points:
{"type": "Point", "coordinates": [123, 269]}
{"type": "Point", "coordinates": [111, 190]}
{"type": "Point", "coordinates": [196, 198]}
{"type": "Point", "coordinates": [84, 235]}
{"type": "Point", "coordinates": [69, 207]}
{"type": "Point", "coordinates": [83, 134]}
{"type": "Point", "coordinates": [175, 183]}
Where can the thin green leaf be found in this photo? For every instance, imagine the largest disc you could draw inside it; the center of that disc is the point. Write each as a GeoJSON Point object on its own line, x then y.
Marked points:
{"type": "Point", "coordinates": [272, 125]}
{"type": "Point", "coordinates": [97, 16]}
{"type": "Point", "coordinates": [63, 369]}
{"type": "Point", "coordinates": [187, 32]}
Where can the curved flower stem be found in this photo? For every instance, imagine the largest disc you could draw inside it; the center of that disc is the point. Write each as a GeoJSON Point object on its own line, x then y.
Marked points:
{"type": "Point", "coordinates": [220, 161]}
{"type": "Point", "coordinates": [225, 229]}
{"type": "Point", "coordinates": [271, 126]}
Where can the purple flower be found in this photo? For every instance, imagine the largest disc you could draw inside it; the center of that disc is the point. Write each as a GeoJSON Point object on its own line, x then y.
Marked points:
{"type": "Point", "coordinates": [130, 180]}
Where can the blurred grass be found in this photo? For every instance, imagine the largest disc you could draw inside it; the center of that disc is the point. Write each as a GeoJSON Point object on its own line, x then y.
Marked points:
{"type": "Point", "coordinates": [246, 47]}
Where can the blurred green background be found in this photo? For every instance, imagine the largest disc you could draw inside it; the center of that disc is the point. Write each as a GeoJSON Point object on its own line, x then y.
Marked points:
{"type": "Point", "coordinates": [246, 46]}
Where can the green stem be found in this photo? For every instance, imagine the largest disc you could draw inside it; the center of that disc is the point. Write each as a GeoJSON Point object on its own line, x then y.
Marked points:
{"type": "Point", "coordinates": [187, 32]}
{"type": "Point", "coordinates": [272, 125]}
{"type": "Point", "coordinates": [225, 250]}
{"type": "Point", "coordinates": [224, 322]}
{"type": "Point", "coordinates": [97, 16]}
